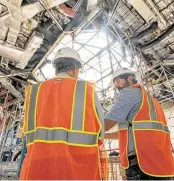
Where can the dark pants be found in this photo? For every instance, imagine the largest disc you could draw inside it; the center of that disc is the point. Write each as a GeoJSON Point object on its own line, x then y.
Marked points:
{"type": "Point", "coordinates": [134, 173]}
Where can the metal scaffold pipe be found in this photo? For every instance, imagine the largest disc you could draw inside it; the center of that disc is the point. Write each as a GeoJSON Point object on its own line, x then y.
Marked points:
{"type": "Point", "coordinates": [12, 75]}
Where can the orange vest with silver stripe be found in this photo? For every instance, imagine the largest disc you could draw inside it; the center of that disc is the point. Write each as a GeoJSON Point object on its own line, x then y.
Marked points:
{"type": "Point", "coordinates": [151, 138]}
{"type": "Point", "coordinates": [62, 131]}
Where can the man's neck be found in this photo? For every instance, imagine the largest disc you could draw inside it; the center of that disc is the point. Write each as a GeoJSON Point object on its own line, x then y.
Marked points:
{"type": "Point", "coordinates": [64, 74]}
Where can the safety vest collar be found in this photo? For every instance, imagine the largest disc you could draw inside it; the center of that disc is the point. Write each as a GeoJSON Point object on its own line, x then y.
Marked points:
{"type": "Point", "coordinates": [64, 76]}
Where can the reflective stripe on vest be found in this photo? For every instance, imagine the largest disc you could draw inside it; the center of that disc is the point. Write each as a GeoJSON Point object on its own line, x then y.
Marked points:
{"type": "Point", "coordinates": [76, 135]}
{"type": "Point", "coordinates": [122, 126]}
{"type": "Point", "coordinates": [58, 135]}
{"type": "Point", "coordinates": [156, 126]}
{"type": "Point", "coordinates": [32, 106]}
{"type": "Point", "coordinates": [152, 108]}
{"type": "Point", "coordinates": [79, 106]}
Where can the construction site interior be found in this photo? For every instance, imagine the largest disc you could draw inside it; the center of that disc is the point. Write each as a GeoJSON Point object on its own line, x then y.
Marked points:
{"type": "Point", "coordinates": [107, 34]}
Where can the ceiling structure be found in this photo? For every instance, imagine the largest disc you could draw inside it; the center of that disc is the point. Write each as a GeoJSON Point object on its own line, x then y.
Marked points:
{"type": "Point", "coordinates": [106, 33]}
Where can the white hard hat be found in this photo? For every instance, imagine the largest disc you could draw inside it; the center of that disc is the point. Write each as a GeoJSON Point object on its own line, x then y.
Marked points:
{"type": "Point", "coordinates": [123, 71]}
{"type": "Point", "coordinates": [67, 53]}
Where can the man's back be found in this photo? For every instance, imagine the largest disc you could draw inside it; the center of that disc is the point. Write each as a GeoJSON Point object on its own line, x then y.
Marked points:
{"type": "Point", "coordinates": [62, 134]}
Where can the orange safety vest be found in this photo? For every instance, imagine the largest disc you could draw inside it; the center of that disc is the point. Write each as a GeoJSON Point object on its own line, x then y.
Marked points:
{"type": "Point", "coordinates": [151, 138]}
{"type": "Point", "coordinates": [62, 131]}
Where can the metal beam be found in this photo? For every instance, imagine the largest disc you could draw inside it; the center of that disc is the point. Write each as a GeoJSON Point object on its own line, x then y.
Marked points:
{"type": "Point", "coordinates": [95, 64]}
{"type": "Point", "coordinates": [88, 40]}
{"type": "Point", "coordinates": [114, 9]}
{"type": "Point", "coordinates": [110, 57]}
{"type": "Point", "coordinates": [168, 62]}
{"type": "Point", "coordinates": [116, 59]}
{"type": "Point", "coordinates": [160, 15]}
{"type": "Point", "coordinates": [104, 77]}
{"type": "Point", "coordinates": [51, 14]}
{"type": "Point", "coordinates": [93, 15]}
{"type": "Point", "coordinates": [12, 75]}
{"type": "Point", "coordinates": [90, 67]}
{"type": "Point", "coordinates": [83, 44]}
{"type": "Point", "coordinates": [101, 51]}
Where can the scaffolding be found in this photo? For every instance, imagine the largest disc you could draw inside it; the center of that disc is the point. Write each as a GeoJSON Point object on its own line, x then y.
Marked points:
{"type": "Point", "coordinates": [11, 138]}
{"type": "Point", "coordinates": [157, 79]}
{"type": "Point", "coordinates": [115, 172]}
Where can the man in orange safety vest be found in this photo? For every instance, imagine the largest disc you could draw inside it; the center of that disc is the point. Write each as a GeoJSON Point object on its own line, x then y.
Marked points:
{"type": "Point", "coordinates": [144, 138]}
{"type": "Point", "coordinates": [63, 126]}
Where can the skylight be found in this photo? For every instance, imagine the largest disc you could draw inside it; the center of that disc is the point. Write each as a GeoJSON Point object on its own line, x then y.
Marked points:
{"type": "Point", "coordinates": [100, 52]}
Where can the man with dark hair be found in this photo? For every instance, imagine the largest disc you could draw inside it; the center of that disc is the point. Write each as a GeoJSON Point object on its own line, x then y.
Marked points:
{"type": "Point", "coordinates": [63, 125]}
{"type": "Point", "coordinates": [67, 61]}
{"type": "Point", "coordinates": [144, 139]}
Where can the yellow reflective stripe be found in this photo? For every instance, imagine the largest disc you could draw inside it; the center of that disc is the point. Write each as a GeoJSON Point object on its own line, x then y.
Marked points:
{"type": "Point", "coordinates": [25, 124]}
{"type": "Point", "coordinates": [95, 111]}
{"type": "Point", "coordinates": [35, 109]}
{"type": "Point", "coordinates": [152, 130]}
{"type": "Point", "coordinates": [153, 121]}
{"type": "Point", "coordinates": [72, 112]}
{"type": "Point", "coordinates": [150, 126]}
{"type": "Point", "coordinates": [62, 135]}
{"type": "Point", "coordinates": [142, 103]}
{"type": "Point", "coordinates": [148, 102]}
{"type": "Point", "coordinates": [27, 112]}
{"type": "Point", "coordinates": [58, 128]}
{"type": "Point", "coordinates": [32, 107]}
{"type": "Point", "coordinates": [79, 103]}
{"type": "Point", "coordinates": [86, 132]}
{"type": "Point", "coordinates": [84, 107]}
{"type": "Point", "coordinates": [64, 142]}
{"type": "Point", "coordinates": [152, 112]}
{"type": "Point", "coordinates": [127, 151]}
{"type": "Point", "coordinates": [53, 128]}
{"type": "Point", "coordinates": [30, 131]}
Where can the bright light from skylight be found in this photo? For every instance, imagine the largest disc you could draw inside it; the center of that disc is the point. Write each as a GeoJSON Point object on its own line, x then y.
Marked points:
{"type": "Point", "coordinates": [97, 51]}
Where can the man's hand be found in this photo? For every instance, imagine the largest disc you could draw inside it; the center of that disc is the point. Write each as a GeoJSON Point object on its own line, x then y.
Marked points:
{"type": "Point", "coordinates": [109, 124]}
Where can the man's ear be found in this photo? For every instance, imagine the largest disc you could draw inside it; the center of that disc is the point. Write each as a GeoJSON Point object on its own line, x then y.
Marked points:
{"type": "Point", "coordinates": [129, 78]}
{"type": "Point", "coordinates": [74, 71]}
{"type": "Point", "coordinates": [77, 71]}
